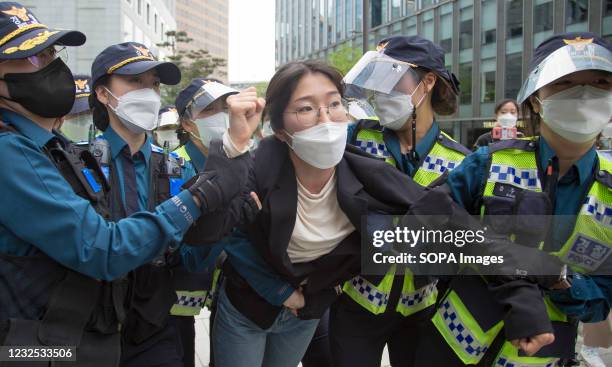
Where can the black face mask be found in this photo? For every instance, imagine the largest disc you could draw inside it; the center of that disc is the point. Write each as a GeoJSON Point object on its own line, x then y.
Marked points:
{"type": "Point", "coordinates": [48, 92]}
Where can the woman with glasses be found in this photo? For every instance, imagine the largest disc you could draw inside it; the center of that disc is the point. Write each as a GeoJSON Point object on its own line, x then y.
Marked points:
{"type": "Point", "coordinates": [305, 242]}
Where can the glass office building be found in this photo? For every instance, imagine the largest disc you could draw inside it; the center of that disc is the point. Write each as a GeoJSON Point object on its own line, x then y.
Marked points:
{"type": "Point", "coordinates": [488, 43]}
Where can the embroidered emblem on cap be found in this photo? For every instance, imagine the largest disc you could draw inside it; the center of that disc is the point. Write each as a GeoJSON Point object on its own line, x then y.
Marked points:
{"type": "Point", "coordinates": [29, 44]}
{"type": "Point", "coordinates": [577, 40]}
{"type": "Point", "coordinates": [381, 46]}
{"type": "Point", "coordinates": [82, 88]}
{"type": "Point", "coordinates": [143, 51]}
{"type": "Point", "coordinates": [21, 13]}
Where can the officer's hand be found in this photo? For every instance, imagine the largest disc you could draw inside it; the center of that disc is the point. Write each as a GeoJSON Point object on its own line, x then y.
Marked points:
{"type": "Point", "coordinates": [295, 301]}
{"type": "Point", "coordinates": [533, 344]}
{"type": "Point", "coordinates": [212, 191]}
{"type": "Point", "coordinates": [245, 110]}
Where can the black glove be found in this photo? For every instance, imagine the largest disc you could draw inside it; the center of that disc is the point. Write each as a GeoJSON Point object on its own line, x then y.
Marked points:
{"type": "Point", "coordinates": [222, 180]}
{"type": "Point", "coordinates": [317, 303]}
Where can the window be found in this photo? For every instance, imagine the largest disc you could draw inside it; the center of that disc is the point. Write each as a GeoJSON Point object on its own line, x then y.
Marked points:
{"type": "Point", "coordinates": [163, 31]}
{"type": "Point", "coordinates": [543, 16]}
{"type": "Point", "coordinates": [396, 9]}
{"type": "Point", "coordinates": [358, 15]}
{"type": "Point", "coordinates": [428, 25]}
{"type": "Point", "coordinates": [321, 23]}
{"type": "Point", "coordinates": [348, 18]}
{"type": "Point", "coordinates": [139, 7]}
{"type": "Point", "coordinates": [465, 37]}
{"type": "Point", "coordinates": [576, 15]}
{"type": "Point", "coordinates": [465, 78]}
{"type": "Point", "coordinates": [514, 18]}
{"type": "Point", "coordinates": [488, 22]}
{"type": "Point", "coordinates": [330, 21]}
{"type": "Point", "coordinates": [148, 14]}
{"type": "Point", "coordinates": [376, 10]}
{"type": "Point", "coordinates": [445, 31]}
{"type": "Point", "coordinates": [543, 27]}
{"type": "Point", "coordinates": [338, 20]}
{"type": "Point", "coordinates": [155, 22]}
{"type": "Point", "coordinates": [514, 68]}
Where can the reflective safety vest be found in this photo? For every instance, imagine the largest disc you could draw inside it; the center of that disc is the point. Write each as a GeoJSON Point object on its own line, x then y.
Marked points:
{"type": "Point", "coordinates": [587, 249]}
{"type": "Point", "coordinates": [191, 303]}
{"type": "Point", "coordinates": [445, 154]}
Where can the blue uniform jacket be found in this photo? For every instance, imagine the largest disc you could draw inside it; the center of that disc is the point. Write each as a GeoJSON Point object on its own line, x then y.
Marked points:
{"type": "Point", "coordinates": [41, 212]}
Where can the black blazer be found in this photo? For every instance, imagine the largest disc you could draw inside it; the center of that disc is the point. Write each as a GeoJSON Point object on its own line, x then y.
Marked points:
{"type": "Point", "coordinates": [364, 185]}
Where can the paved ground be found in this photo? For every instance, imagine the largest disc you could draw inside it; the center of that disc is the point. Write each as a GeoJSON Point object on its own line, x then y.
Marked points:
{"type": "Point", "coordinates": [203, 352]}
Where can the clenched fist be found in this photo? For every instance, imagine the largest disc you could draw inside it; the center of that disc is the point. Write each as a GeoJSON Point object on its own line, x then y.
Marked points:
{"type": "Point", "coordinates": [245, 110]}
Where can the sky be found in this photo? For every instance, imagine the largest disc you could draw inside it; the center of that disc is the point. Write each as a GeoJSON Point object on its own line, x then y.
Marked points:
{"type": "Point", "coordinates": [251, 40]}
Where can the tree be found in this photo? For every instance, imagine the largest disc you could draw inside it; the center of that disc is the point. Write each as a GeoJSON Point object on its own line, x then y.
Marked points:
{"type": "Point", "coordinates": [344, 58]}
{"type": "Point", "coordinates": [193, 64]}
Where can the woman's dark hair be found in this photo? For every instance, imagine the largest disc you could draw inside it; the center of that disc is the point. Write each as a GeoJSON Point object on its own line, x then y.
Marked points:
{"type": "Point", "coordinates": [532, 119]}
{"type": "Point", "coordinates": [285, 80]}
{"type": "Point", "coordinates": [98, 110]}
{"type": "Point", "coordinates": [505, 102]}
{"type": "Point", "coordinates": [443, 99]}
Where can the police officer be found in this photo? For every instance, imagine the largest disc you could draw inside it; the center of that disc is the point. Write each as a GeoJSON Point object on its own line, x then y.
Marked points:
{"type": "Point", "coordinates": [125, 102]}
{"type": "Point", "coordinates": [77, 124]}
{"type": "Point", "coordinates": [58, 253]}
{"type": "Point", "coordinates": [193, 288]}
{"type": "Point", "coordinates": [203, 113]}
{"type": "Point", "coordinates": [568, 95]}
{"type": "Point", "coordinates": [406, 82]}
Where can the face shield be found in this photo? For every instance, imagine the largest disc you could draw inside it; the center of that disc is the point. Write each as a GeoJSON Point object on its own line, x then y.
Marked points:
{"type": "Point", "coordinates": [360, 109]}
{"type": "Point", "coordinates": [166, 134]}
{"type": "Point", "coordinates": [205, 97]}
{"type": "Point", "coordinates": [571, 58]}
{"type": "Point", "coordinates": [377, 73]}
{"type": "Point", "coordinates": [76, 127]}
{"type": "Point", "coordinates": [384, 87]}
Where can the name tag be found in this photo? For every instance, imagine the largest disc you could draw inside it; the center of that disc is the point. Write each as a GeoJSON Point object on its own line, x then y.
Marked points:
{"type": "Point", "coordinates": [505, 190]}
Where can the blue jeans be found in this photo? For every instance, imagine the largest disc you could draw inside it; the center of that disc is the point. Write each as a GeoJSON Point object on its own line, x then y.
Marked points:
{"type": "Point", "coordinates": [240, 342]}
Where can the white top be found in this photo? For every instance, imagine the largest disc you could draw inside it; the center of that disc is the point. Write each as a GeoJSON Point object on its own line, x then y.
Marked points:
{"type": "Point", "coordinates": [320, 224]}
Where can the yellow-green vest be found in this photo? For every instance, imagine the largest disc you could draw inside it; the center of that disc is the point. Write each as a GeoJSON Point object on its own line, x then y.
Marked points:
{"type": "Point", "coordinates": [190, 303]}
{"type": "Point", "coordinates": [589, 245]}
{"type": "Point", "coordinates": [445, 154]}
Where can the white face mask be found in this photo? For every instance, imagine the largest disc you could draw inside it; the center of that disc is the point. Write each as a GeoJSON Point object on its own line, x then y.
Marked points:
{"type": "Point", "coordinates": [507, 120]}
{"type": "Point", "coordinates": [394, 111]}
{"type": "Point", "coordinates": [169, 136]}
{"type": "Point", "coordinates": [321, 146]}
{"type": "Point", "coordinates": [138, 110]}
{"type": "Point", "coordinates": [577, 114]}
{"type": "Point", "coordinates": [212, 127]}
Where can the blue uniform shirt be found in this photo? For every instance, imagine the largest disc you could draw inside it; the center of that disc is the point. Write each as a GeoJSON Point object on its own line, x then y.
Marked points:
{"type": "Point", "coordinates": [589, 297]}
{"type": "Point", "coordinates": [392, 143]}
{"type": "Point", "coordinates": [141, 165]}
{"type": "Point", "coordinates": [41, 211]}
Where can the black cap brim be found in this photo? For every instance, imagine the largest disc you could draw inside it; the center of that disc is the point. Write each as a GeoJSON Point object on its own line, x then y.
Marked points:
{"type": "Point", "coordinates": [81, 104]}
{"type": "Point", "coordinates": [169, 73]}
{"type": "Point", "coordinates": [61, 37]}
